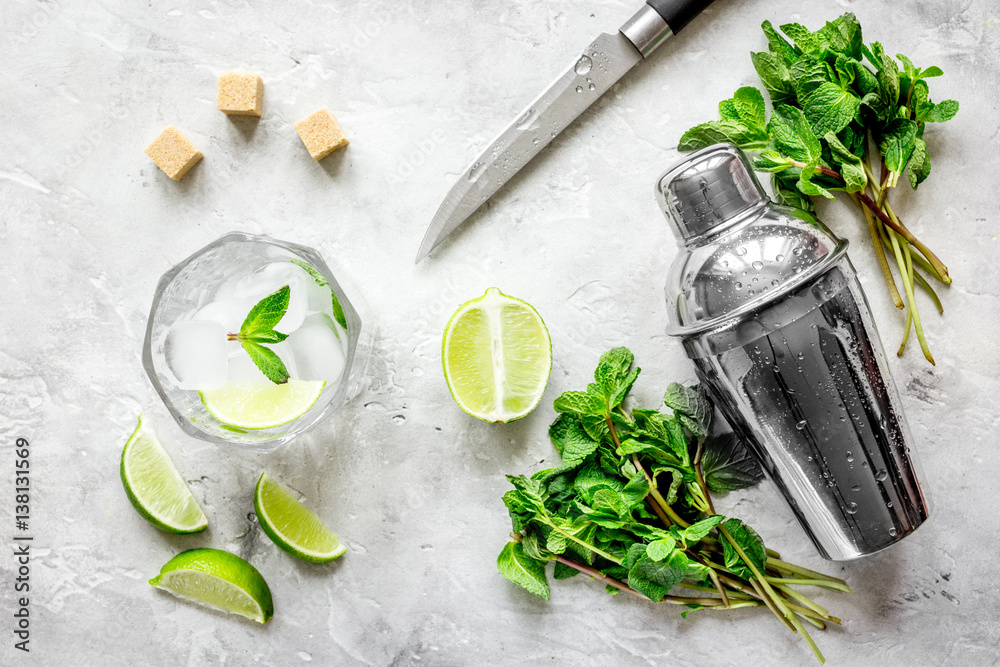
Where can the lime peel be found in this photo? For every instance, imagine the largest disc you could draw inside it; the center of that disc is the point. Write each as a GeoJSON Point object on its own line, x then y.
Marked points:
{"type": "Point", "coordinates": [291, 525]}
{"type": "Point", "coordinates": [218, 580]}
{"type": "Point", "coordinates": [155, 487]}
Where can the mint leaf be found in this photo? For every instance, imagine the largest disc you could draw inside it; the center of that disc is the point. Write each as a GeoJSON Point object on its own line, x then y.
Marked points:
{"type": "Point", "coordinates": [851, 167]}
{"type": "Point", "coordinates": [897, 143]}
{"type": "Point", "coordinates": [722, 131]}
{"type": "Point", "coordinates": [728, 465]}
{"type": "Point", "coordinates": [792, 134]}
{"type": "Point", "coordinates": [773, 73]}
{"type": "Point", "coordinates": [267, 313]}
{"type": "Point", "coordinates": [655, 578]}
{"type": "Point", "coordinates": [809, 74]}
{"type": "Point", "coordinates": [810, 187]}
{"type": "Point", "coordinates": [805, 41]}
{"type": "Point", "coordinates": [751, 544]}
{"type": "Point", "coordinates": [937, 113]}
{"type": "Point", "coordinates": [565, 572]}
{"type": "Point", "coordinates": [526, 572]}
{"type": "Point", "coordinates": [698, 530]}
{"type": "Point", "coordinates": [931, 71]}
{"type": "Point", "coordinates": [660, 549]}
{"type": "Point", "coordinates": [727, 110]}
{"type": "Point", "coordinates": [690, 406]}
{"type": "Point", "coordinates": [771, 161]}
{"type": "Point", "coordinates": [789, 195]}
{"type": "Point", "coordinates": [613, 377]}
{"type": "Point", "coordinates": [749, 105]}
{"type": "Point", "coordinates": [830, 108]}
{"type": "Point", "coordinates": [920, 164]}
{"type": "Point", "coordinates": [267, 361]}
{"type": "Point", "coordinates": [581, 403]}
{"type": "Point", "coordinates": [269, 337]}
{"type": "Point", "coordinates": [778, 45]}
{"type": "Point", "coordinates": [843, 35]}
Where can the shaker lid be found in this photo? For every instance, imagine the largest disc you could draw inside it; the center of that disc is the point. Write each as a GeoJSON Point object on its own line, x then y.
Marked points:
{"type": "Point", "coordinates": [708, 189]}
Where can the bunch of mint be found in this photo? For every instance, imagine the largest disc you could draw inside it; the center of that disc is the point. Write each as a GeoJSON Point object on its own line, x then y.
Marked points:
{"type": "Point", "coordinates": [631, 506]}
{"type": "Point", "coordinates": [835, 118]}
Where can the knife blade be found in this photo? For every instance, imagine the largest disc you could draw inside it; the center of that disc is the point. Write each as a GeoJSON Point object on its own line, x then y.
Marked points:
{"type": "Point", "coordinates": [594, 71]}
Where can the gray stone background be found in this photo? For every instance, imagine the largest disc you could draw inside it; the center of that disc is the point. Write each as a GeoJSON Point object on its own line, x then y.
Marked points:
{"type": "Point", "coordinates": [88, 224]}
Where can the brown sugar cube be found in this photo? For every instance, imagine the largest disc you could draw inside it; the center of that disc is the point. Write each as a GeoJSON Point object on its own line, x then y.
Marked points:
{"type": "Point", "coordinates": [321, 134]}
{"type": "Point", "coordinates": [173, 153]}
{"type": "Point", "coordinates": [240, 94]}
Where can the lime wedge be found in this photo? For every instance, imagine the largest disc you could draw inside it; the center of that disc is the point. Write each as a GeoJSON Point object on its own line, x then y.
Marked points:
{"type": "Point", "coordinates": [258, 405]}
{"type": "Point", "coordinates": [293, 527]}
{"type": "Point", "coordinates": [497, 357]}
{"type": "Point", "coordinates": [154, 486]}
{"type": "Point", "coordinates": [218, 580]}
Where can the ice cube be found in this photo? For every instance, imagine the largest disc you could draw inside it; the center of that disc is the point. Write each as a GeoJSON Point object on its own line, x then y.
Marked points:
{"type": "Point", "coordinates": [195, 353]}
{"type": "Point", "coordinates": [241, 367]}
{"type": "Point", "coordinates": [318, 353]}
{"type": "Point", "coordinates": [230, 312]}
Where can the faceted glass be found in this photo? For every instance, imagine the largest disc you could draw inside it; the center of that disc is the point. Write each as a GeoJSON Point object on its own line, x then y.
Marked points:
{"type": "Point", "coordinates": [191, 354]}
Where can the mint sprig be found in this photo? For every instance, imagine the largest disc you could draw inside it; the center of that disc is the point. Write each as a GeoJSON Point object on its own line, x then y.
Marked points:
{"type": "Point", "coordinates": [258, 330]}
{"type": "Point", "coordinates": [630, 505]}
{"type": "Point", "coordinates": [834, 97]}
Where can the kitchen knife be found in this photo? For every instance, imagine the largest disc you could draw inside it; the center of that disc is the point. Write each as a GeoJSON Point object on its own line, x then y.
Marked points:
{"type": "Point", "coordinates": [594, 71]}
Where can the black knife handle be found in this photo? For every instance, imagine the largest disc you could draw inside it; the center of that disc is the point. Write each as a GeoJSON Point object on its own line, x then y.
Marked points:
{"type": "Point", "coordinates": [678, 13]}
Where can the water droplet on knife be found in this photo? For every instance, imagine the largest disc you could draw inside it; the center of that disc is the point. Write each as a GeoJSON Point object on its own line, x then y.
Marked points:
{"type": "Point", "coordinates": [583, 65]}
{"type": "Point", "coordinates": [579, 89]}
{"type": "Point", "coordinates": [476, 171]}
{"type": "Point", "coordinates": [526, 119]}
{"type": "Point", "coordinates": [592, 87]}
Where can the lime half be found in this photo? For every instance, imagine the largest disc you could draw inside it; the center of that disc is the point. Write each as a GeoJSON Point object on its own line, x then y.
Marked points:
{"type": "Point", "coordinates": [259, 405]}
{"type": "Point", "coordinates": [497, 357]}
{"type": "Point", "coordinates": [219, 580]}
{"type": "Point", "coordinates": [154, 486]}
{"type": "Point", "coordinates": [293, 527]}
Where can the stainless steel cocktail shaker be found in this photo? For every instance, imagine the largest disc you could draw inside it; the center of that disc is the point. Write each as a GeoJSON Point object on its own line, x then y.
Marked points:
{"type": "Point", "coordinates": [770, 310]}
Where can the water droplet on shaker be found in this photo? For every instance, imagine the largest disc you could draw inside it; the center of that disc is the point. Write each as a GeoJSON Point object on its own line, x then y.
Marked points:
{"type": "Point", "coordinates": [881, 475]}
{"type": "Point", "coordinates": [583, 65]}
{"type": "Point", "coordinates": [801, 425]}
{"type": "Point", "coordinates": [892, 531]}
{"type": "Point", "coordinates": [741, 251]}
{"type": "Point", "coordinates": [850, 457]}
{"type": "Point", "coordinates": [774, 283]}
{"type": "Point", "coordinates": [779, 258]}
{"type": "Point", "coordinates": [856, 488]}
{"type": "Point", "coordinates": [889, 504]}
{"type": "Point", "coordinates": [758, 265]}
{"type": "Point", "coordinates": [851, 508]}
{"type": "Point", "coordinates": [738, 285]}
{"type": "Point", "coordinates": [797, 252]}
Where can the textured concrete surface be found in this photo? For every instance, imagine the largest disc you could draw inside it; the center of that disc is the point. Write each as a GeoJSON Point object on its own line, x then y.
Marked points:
{"type": "Point", "coordinates": [88, 224]}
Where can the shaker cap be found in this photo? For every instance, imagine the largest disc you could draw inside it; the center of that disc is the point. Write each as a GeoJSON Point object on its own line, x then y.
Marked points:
{"type": "Point", "coordinates": [708, 189]}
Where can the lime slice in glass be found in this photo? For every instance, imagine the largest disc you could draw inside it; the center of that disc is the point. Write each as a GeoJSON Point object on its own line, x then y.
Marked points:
{"type": "Point", "coordinates": [497, 357]}
{"type": "Point", "coordinates": [218, 580]}
{"type": "Point", "coordinates": [154, 486]}
{"type": "Point", "coordinates": [293, 527]}
{"type": "Point", "coordinates": [259, 405]}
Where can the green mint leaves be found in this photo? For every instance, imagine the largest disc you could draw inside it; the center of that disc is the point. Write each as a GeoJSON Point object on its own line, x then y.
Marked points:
{"type": "Point", "coordinates": [258, 330]}
{"type": "Point", "coordinates": [832, 96]}
{"type": "Point", "coordinates": [629, 504]}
